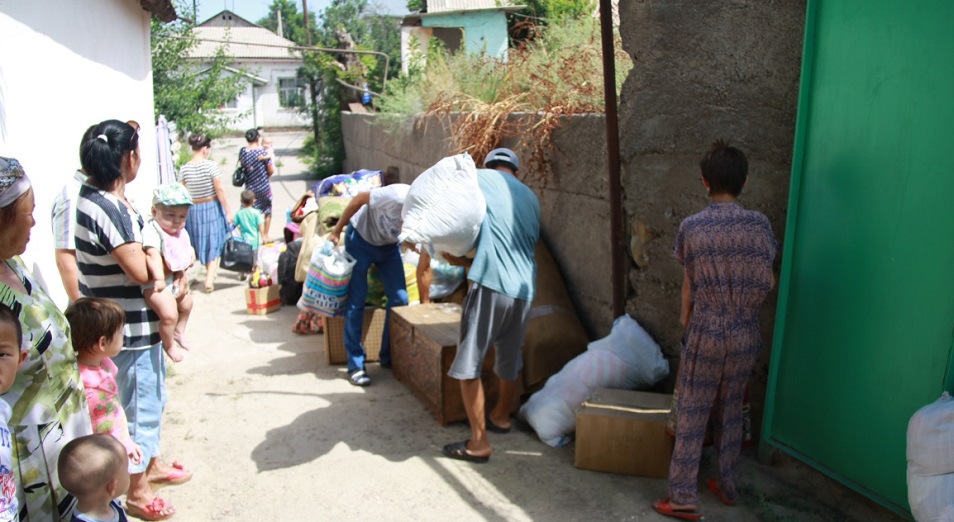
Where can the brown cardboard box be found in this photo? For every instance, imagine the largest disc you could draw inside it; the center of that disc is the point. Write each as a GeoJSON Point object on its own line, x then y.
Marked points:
{"type": "Point", "coordinates": [624, 431]}
{"type": "Point", "coordinates": [261, 301]}
{"type": "Point", "coordinates": [423, 346]}
{"type": "Point", "coordinates": [371, 331]}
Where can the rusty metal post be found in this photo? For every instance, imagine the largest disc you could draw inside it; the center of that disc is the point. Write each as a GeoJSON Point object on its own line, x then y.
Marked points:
{"type": "Point", "coordinates": [612, 159]}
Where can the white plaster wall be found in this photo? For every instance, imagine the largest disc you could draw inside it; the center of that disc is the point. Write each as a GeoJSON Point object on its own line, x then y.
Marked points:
{"type": "Point", "coordinates": [63, 67]}
{"type": "Point", "coordinates": [417, 35]}
{"type": "Point", "coordinates": [268, 112]}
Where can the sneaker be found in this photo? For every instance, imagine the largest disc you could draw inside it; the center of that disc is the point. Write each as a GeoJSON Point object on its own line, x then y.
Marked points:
{"type": "Point", "coordinates": [359, 377]}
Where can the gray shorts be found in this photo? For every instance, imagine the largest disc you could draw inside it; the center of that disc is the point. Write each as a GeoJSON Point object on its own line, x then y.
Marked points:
{"type": "Point", "coordinates": [490, 318]}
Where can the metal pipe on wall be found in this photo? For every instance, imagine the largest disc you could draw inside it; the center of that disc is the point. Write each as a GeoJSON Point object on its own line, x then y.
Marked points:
{"type": "Point", "coordinates": [612, 160]}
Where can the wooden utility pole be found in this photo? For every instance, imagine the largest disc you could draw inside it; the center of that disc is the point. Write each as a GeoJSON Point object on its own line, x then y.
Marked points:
{"type": "Point", "coordinates": [304, 8]}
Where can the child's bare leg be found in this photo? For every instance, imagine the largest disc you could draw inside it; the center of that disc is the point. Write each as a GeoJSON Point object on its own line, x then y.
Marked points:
{"type": "Point", "coordinates": [165, 307]}
{"type": "Point", "coordinates": [185, 308]}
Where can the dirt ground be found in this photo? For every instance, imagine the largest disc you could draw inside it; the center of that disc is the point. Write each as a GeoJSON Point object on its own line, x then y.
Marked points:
{"type": "Point", "coordinates": [273, 432]}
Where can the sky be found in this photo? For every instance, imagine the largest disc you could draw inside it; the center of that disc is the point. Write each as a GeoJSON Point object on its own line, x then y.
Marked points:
{"type": "Point", "coordinates": [253, 10]}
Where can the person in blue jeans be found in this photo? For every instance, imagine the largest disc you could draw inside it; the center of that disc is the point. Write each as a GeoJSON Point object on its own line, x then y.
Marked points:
{"type": "Point", "coordinates": [374, 222]}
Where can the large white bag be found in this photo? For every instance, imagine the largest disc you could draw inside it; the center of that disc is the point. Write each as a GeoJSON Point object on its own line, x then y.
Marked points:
{"type": "Point", "coordinates": [930, 454]}
{"type": "Point", "coordinates": [444, 208]}
{"type": "Point", "coordinates": [627, 358]}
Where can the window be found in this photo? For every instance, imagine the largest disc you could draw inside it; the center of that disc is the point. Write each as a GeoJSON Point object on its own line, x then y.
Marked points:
{"type": "Point", "coordinates": [231, 104]}
{"type": "Point", "coordinates": [290, 93]}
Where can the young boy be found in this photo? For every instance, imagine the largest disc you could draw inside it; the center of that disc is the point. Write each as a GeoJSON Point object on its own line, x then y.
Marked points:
{"type": "Point", "coordinates": [169, 250]}
{"type": "Point", "coordinates": [251, 223]}
{"type": "Point", "coordinates": [12, 356]}
{"type": "Point", "coordinates": [93, 469]}
{"type": "Point", "coordinates": [97, 326]}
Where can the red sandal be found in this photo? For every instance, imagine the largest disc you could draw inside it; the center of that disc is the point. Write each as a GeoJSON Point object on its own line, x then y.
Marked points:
{"type": "Point", "coordinates": [714, 486]}
{"type": "Point", "coordinates": [178, 475]}
{"type": "Point", "coordinates": [156, 509]}
{"type": "Point", "coordinates": [664, 507]}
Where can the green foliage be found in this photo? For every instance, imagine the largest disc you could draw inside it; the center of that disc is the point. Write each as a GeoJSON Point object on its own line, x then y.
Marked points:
{"type": "Point", "coordinates": [324, 150]}
{"type": "Point", "coordinates": [186, 92]}
{"type": "Point", "coordinates": [562, 67]}
{"type": "Point", "coordinates": [558, 73]}
{"type": "Point", "coordinates": [559, 10]}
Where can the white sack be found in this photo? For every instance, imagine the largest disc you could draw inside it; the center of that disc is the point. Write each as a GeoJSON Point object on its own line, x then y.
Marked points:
{"type": "Point", "coordinates": [627, 358]}
{"type": "Point", "coordinates": [444, 208]}
{"type": "Point", "coordinates": [930, 455]}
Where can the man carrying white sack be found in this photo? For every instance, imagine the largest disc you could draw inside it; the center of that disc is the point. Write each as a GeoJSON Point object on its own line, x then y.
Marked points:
{"type": "Point", "coordinates": [374, 222]}
{"type": "Point", "coordinates": [503, 276]}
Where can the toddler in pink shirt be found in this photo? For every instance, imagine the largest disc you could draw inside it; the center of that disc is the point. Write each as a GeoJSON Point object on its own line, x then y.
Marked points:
{"type": "Point", "coordinates": [97, 333]}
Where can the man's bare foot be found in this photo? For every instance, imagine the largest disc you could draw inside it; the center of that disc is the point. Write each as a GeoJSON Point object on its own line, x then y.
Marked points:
{"type": "Point", "coordinates": [174, 352]}
{"type": "Point", "coordinates": [180, 338]}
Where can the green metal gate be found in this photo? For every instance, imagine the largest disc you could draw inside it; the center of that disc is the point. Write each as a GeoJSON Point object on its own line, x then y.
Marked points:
{"type": "Point", "coordinates": [866, 306]}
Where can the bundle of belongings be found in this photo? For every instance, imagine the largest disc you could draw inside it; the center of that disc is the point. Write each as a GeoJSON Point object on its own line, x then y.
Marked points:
{"type": "Point", "coordinates": [443, 211]}
{"type": "Point", "coordinates": [930, 441]}
{"type": "Point", "coordinates": [627, 358]}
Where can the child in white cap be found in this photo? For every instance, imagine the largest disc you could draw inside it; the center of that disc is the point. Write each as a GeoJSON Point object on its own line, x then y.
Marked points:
{"type": "Point", "coordinates": [169, 254]}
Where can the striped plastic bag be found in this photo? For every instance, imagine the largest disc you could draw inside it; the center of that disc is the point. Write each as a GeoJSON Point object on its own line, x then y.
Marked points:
{"type": "Point", "coordinates": [325, 290]}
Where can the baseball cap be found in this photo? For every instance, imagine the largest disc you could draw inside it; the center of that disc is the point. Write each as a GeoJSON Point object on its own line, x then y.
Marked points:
{"type": "Point", "coordinates": [171, 195]}
{"type": "Point", "coordinates": [506, 156]}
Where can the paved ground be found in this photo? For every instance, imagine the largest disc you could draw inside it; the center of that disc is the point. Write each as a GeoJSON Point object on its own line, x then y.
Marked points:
{"type": "Point", "coordinates": [274, 433]}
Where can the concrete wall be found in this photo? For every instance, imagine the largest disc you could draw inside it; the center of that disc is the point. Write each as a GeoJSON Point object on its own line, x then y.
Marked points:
{"type": "Point", "coordinates": [703, 70]}
{"type": "Point", "coordinates": [58, 76]}
{"type": "Point", "coordinates": [573, 206]}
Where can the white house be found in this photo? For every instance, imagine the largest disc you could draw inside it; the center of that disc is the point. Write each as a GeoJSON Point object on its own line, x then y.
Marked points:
{"type": "Point", "coordinates": [273, 94]}
{"type": "Point", "coordinates": [65, 66]}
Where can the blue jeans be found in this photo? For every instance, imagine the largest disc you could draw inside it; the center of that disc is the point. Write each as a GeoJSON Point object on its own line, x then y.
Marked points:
{"type": "Point", "coordinates": [142, 392]}
{"type": "Point", "coordinates": [391, 269]}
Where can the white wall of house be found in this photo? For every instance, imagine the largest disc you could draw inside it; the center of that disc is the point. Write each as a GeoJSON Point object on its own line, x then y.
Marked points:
{"type": "Point", "coordinates": [62, 69]}
{"type": "Point", "coordinates": [259, 105]}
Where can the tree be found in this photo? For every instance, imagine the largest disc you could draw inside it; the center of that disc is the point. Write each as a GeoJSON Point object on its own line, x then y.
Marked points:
{"type": "Point", "coordinates": [323, 70]}
{"type": "Point", "coordinates": [183, 93]}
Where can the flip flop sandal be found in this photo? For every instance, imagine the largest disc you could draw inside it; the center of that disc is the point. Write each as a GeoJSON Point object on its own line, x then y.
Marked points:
{"type": "Point", "coordinates": [494, 428]}
{"type": "Point", "coordinates": [458, 451]}
{"type": "Point", "coordinates": [178, 475]}
{"type": "Point", "coordinates": [664, 507]}
{"type": "Point", "coordinates": [714, 486]}
{"type": "Point", "coordinates": [151, 511]}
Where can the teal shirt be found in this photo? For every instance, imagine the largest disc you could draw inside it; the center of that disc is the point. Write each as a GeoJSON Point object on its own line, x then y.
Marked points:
{"type": "Point", "coordinates": [508, 235]}
{"type": "Point", "coordinates": [248, 220]}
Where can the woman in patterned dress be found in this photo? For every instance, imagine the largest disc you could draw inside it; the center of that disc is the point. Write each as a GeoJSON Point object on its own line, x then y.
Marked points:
{"type": "Point", "coordinates": [210, 213]}
{"type": "Point", "coordinates": [727, 254]}
{"type": "Point", "coordinates": [259, 167]}
{"type": "Point", "coordinates": [47, 397]}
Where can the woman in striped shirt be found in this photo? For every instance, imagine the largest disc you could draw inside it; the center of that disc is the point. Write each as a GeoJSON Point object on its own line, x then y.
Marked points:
{"type": "Point", "coordinates": [210, 214]}
{"type": "Point", "coordinates": [112, 265]}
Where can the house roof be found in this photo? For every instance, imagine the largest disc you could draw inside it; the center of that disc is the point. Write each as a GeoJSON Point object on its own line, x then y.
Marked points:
{"type": "Point", "coordinates": [244, 40]}
{"type": "Point", "coordinates": [162, 9]}
{"type": "Point", "coordinates": [447, 6]}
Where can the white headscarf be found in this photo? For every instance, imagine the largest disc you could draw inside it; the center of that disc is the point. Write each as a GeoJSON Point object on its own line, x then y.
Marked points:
{"type": "Point", "coordinates": [13, 181]}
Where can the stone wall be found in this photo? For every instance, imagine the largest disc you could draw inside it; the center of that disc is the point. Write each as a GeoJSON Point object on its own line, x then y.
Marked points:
{"type": "Point", "coordinates": [703, 70]}
{"type": "Point", "coordinates": [573, 205]}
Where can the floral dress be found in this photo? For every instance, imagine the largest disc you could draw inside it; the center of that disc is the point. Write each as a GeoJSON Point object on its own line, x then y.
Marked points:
{"type": "Point", "coordinates": [48, 401]}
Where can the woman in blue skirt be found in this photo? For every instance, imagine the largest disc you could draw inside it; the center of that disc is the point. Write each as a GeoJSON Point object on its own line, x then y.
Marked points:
{"type": "Point", "coordinates": [210, 215]}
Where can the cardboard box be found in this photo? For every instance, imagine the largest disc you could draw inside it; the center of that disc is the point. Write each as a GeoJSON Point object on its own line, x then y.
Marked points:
{"type": "Point", "coordinates": [624, 431]}
{"type": "Point", "coordinates": [372, 329]}
{"type": "Point", "coordinates": [260, 301]}
{"type": "Point", "coordinates": [423, 345]}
